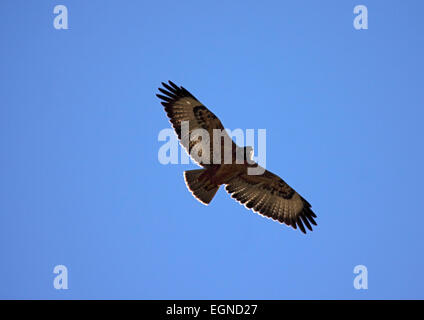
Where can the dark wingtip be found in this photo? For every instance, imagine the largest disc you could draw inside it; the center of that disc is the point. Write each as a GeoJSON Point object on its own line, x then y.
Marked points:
{"type": "Point", "coordinates": [174, 92]}
{"type": "Point", "coordinates": [311, 220]}
{"type": "Point", "coordinates": [300, 224]}
{"type": "Point", "coordinates": [306, 222]}
{"type": "Point", "coordinates": [173, 85]}
{"type": "Point", "coordinates": [164, 98]}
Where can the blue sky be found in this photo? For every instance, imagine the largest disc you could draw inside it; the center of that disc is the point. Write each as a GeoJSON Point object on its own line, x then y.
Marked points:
{"type": "Point", "coordinates": [80, 180]}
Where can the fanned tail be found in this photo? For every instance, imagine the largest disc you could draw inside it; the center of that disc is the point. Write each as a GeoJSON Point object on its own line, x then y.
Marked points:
{"type": "Point", "coordinates": [200, 186]}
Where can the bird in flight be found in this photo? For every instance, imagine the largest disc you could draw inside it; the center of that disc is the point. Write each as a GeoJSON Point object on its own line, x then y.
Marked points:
{"type": "Point", "coordinates": [265, 193]}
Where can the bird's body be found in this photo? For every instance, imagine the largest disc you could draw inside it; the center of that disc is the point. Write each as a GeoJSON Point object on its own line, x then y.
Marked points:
{"type": "Point", "coordinates": [265, 193]}
{"type": "Point", "coordinates": [223, 173]}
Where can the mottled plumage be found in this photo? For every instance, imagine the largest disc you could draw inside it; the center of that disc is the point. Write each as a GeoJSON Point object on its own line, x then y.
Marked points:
{"type": "Point", "coordinates": [266, 194]}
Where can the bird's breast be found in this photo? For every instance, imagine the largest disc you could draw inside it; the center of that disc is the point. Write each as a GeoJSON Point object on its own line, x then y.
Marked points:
{"type": "Point", "coordinates": [226, 172]}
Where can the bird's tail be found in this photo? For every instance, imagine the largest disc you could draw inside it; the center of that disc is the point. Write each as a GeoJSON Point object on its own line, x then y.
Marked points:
{"type": "Point", "coordinates": [200, 186]}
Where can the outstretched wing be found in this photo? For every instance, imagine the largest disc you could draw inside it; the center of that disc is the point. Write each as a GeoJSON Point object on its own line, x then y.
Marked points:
{"type": "Point", "coordinates": [270, 196]}
{"type": "Point", "coordinates": [180, 105]}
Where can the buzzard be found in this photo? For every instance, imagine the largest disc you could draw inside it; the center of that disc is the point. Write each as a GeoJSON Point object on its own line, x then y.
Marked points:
{"type": "Point", "coordinates": [266, 193]}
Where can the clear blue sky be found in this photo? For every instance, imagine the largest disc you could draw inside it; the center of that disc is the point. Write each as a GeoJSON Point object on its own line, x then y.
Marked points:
{"type": "Point", "coordinates": [81, 185]}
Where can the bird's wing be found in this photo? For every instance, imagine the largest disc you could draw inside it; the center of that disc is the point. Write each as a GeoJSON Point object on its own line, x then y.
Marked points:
{"type": "Point", "coordinates": [270, 196]}
{"type": "Point", "coordinates": [180, 105]}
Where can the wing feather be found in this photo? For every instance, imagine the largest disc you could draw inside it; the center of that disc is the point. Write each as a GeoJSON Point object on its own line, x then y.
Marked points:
{"type": "Point", "coordinates": [272, 197]}
{"type": "Point", "coordinates": [180, 105]}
